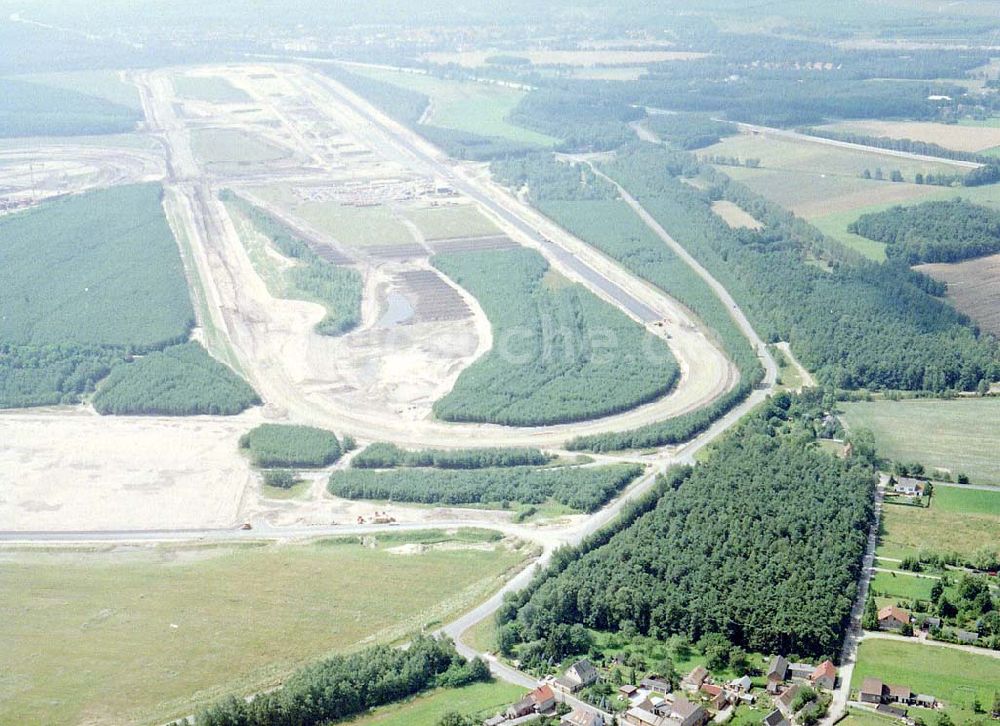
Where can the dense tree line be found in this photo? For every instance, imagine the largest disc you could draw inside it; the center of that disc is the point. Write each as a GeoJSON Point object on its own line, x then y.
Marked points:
{"type": "Point", "coordinates": [584, 120]}
{"type": "Point", "coordinates": [283, 445]}
{"type": "Point", "coordinates": [584, 204]}
{"type": "Point", "coordinates": [761, 543]}
{"type": "Point", "coordinates": [381, 455]}
{"type": "Point", "coordinates": [33, 109]}
{"type": "Point", "coordinates": [561, 353]}
{"type": "Point", "coordinates": [338, 289]}
{"type": "Point", "coordinates": [690, 131]}
{"type": "Point", "coordinates": [946, 231]}
{"type": "Point", "coordinates": [582, 488]}
{"type": "Point", "coordinates": [858, 325]}
{"type": "Point", "coordinates": [85, 282]}
{"type": "Point", "coordinates": [343, 686]}
{"type": "Point", "coordinates": [182, 380]}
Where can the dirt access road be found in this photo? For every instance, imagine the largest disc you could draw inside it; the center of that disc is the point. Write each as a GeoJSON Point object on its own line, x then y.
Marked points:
{"type": "Point", "coordinates": [273, 339]}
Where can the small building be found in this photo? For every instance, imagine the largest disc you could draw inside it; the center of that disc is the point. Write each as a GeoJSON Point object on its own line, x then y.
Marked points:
{"type": "Point", "coordinates": [717, 697]}
{"type": "Point", "coordinates": [627, 692]}
{"type": "Point", "coordinates": [800, 671]}
{"type": "Point", "coordinates": [788, 695]}
{"type": "Point", "coordinates": [892, 618]}
{"type": "Point", "coordinates": [871, 691]}
{"type": "Point", "coordinates": [930, 623]}
{"type": "Point", "coordinates": [897, 694]}
{"type": "Point", "coordinates": [521, 708]}
{"type": "Point", "coordinates": [966, 636]}
{"type": "Point", "coordinates": [639, 716]}
{"type": "Point", "coordinates": [579, 675]}
{"type": "Point", "coordinates": [579, 717]}
{"type": "Point", "coordinates": [655, 683]}
{"type": "Point", "coordinates": [741, 684]}
{"type": "Point", "coordinates": [775, 718]}
{"type": "Point", "coordinates": [776, 673]}
{"type": "Point", "coordinates": [908, 486]}
{"type": "Point", "coordinates": [543, 698]}
{"type": "Point", "coordinates": [824, 676]}
{"type": "Point", "coordinates": [925, 701]}
{"type": "Point", "coordinates": [693, 680]}
{"type": "Point", "coordinates": [684, 713]}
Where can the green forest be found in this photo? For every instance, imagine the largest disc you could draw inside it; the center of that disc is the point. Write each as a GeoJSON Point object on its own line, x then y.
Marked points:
{"type": "Point", "coordinates": [182, 380]}
{"type": "Point", "coordinates": [338, 289]}
{"type": "Point", "coordinates": [591, 211]}
{"type": "Point", "coordinates": [346, 685]}
{"type": "Point", "coordinates": [561, 354]}
{"type": "Point", "coordinates": [284, 445]}
{"type": "Point", "coordinates": [32, 109]}
{"type": "Point", "coordinates": [689, 131]}
{"type": "Point", "coordinates": [86, 281]}
{"type": "Point", "coordinates": [856, 324]}
{"type": "Point", "coordinates": [381, 455]}
{"type": "Point", "coordinates": [947, 231]}
{"type": "Point", "coordinates": [582, 488]}
{"type": "Point", "coordinates": [761, 543]}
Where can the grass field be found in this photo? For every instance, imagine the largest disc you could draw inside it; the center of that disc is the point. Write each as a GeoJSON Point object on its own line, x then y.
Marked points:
{"type": "Point", "coordinates": [209, 88]}
{"type": "Point", "coordinates": [223, 146]}
{"type": "Point", "coordinates": [961, 137]}
{"type": "Point", "coordinates": [454, 221]}
{"type": "Point", "coordinates": [962, 435]}
{"type": "Point", "coordinates": [34, 109]}
{"type": "Point", "coordinates": [102, 84]}
{"type": "Point", "coordinates": [861, 717]}
{"type": "Point", "coordinates": [966, 501]}
{"type": "Point", "coordinates": [951, 676]}
{"type": "Point", "coordinates": [479, 700]}
{"type": "Point", "coordinates": [908, 587]}
{"type": "Point", "coordinates": [351, 226]}
{"type": "Point", "coordinates": [144, 635]}
{"type": "Point", "coordinates": [972, 288]}
{"type": "Point", "coordinates": [735, 216]}
{"type": "Point", "coordinates": [478, 108]}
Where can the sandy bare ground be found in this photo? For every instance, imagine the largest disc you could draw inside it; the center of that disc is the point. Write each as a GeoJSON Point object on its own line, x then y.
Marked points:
{"type": "Point", "coordinates": [72, 469]}
{"type": "Point", "coordinates": [374, 384]}
{"type": "Point", "coordinates": [950, 136]}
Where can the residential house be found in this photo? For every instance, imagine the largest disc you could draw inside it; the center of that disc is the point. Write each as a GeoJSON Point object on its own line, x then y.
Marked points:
{"type": "Point", "coordinates": [776, 673]}
{"type": "Point", "coordinates": [684, 713]}
{"type": "Point", "coordinates": [909, 486]}
{"type": "Point", "coordinates": [717, 697]}
{"type": "Point", "coordinates": [788, 695]}
{"type": "Point", "coordinates": [824, 676]}
{"type": "Point", "coordinates": [521, 708]}
{"type": "Point", "coordinates": [627, 692]}
{"type": "Point", "coordinates": [871, 691]}
{"type": "Point", "coordinates": [775, 718]}
{"type": "Point", "coordinates": [639, 716]}
{"type": "Point", "coordinates": [579, 675]}
{"type": "Point", "coordinates": [874, 691]}
{"type": "Point", "coordinates": [897, 694]}
{"type": "Point", "coordinates": [741, 684]}
{"type": "Point", "coordinates": [543, 698]}
{"type": "Point", "coordinates": [800, 671]}
{"type": "Point", "coordinates": [579, 717]}
{"type": "Point", "coordinates": [654, 683]}
{"type": "Point", "coordinates": [693, 680]}
{"type": "Point", "coordinates": [892, 618]}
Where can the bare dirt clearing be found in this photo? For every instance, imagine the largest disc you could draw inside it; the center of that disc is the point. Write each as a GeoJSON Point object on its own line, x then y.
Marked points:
{"type": "Point", "coordinates": [735, 216]}
{"type": "Point", "coordinates": [973, 288]}
{"type": "Point", "coordinates": [71, 469]}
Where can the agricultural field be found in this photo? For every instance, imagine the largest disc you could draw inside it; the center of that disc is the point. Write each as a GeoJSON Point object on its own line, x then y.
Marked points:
{"type": "Point", "coordinates": [961, 435]}
{"type": "Point", "coordinates": [561, 354]}
{"type": "Point", "coordinates": [75, 302]}
{"type": "Point", "coordinates": [182, 380]}
{"type": "Point", "coordinates": [951, 676]}
{"type": "Point", "coordinates": [582, 58]}
{"type": "Point", "coordinates": [152, 633]}
{"type": "Point", "coordinates": [357, 227]}
{"type": "Point", "coordinates": [209, 88]}
{"type": "Point", "coordinates": [960, 137]}
{"type": "Point", "coordinates": [972, 288]}
{"type": "Point", "coordinates": [479, 700]}
{"type": "Point", "coordinates": [33, 109]}
{"type": "Point", "coordinates": [223, 147]}
{"type": "Point", "coordinates": [453, 221]}
{"type": "Point", "coordinates": [477, 108]}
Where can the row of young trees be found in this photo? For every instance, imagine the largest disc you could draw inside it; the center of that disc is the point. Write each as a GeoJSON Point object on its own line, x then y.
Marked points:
{"type": "Point", "coordinates": [947, 231]}
{"type": "Point", "coordinates": [857, 325]}
{"type": "Point", "coordinates": [338, 289]}
{"type": "Point", "coordinates": [381, 455]}
{"type": "Point", "coordinates": [285, 445]}
{"type": "Point", "coordinates": [560, 354]}
{"type": "Point", "coordinates": [182, 380]}
{"type": "Point", "coordinates": [762, 543]}
{"type": "Point", "coordinates": [582, 488]}
{"type": "Point", "coordinates": [343, 686]}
